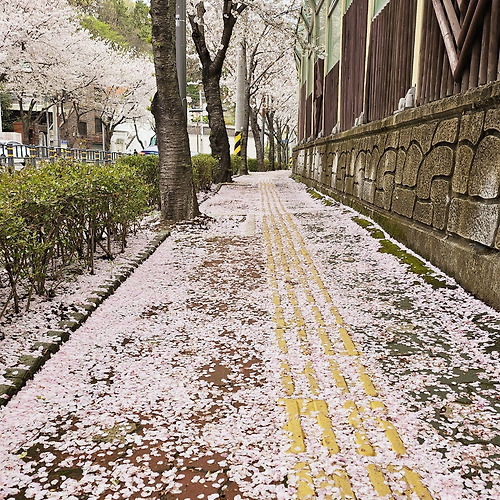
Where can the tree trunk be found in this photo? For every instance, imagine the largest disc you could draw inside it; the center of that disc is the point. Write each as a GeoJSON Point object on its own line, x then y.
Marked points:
{"type": "Point", "coordinates": [178, 198]}
{"type": "Point", "coordinates": [219, 141]}
{"type": "Point", "coordinates": [211, 75]}
{"type": "Point", "coordinates": [27, 120]}
{"type": "Point", "coordinates": [136, 136]}
{"type": "Point", "coordinates": [108, 133]}
{"type": "Point", "coordinates": [258, 145]}
{"type": "Point", "coordinates": [285, 146]}
{"type": "Point", "coordinates": [270, 127]}
{"type": "Point", "coordinates": [245, 127]}
{"type": "Point", "coordinates": [279, 145]}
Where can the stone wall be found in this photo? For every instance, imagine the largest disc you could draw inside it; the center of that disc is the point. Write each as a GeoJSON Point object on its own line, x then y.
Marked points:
{"type": "Point", "coordinates": [430, 176]}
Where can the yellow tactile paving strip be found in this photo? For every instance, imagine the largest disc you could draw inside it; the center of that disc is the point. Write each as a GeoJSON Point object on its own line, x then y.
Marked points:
{"type": "Point", "coordinates": [293, 276]}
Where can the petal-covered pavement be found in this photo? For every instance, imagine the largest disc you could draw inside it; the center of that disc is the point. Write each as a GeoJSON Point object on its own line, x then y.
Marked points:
{"type": "Point", "coordinates": [281, 348]}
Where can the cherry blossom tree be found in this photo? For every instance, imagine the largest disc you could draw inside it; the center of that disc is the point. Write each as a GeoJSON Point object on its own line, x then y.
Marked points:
{"type": "Point", "coordinates": [34, 42]}
{"type": "Point", "coordinates": [212, 62]}
{"type": "Point", "coordinates": [49, 59]}
{"type": "Point", "coordinates": [124, 90]}
{"type": "Point", "coordinates": [266, 35]}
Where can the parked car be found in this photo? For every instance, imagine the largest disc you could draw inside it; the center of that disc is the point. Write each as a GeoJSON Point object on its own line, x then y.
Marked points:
{"type": "Point", "coordinates": [20, 153]}
{"type": "Point", "coordinates": [150, 150]}
{"type": "Point", "coordinates": [153, 150]}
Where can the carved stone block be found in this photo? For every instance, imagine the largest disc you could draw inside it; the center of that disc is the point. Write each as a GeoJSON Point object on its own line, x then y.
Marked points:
{"type": "Point", "coordinates": [403, 201]}
{"type": "Point", "coordinates": [471, 127]}
{"type": "Point", "coordinates": [473, 220]}
{"type": "Point", "coordinates": [413, 161]}
{"type": "Point", "coordinates": [463, 162]}
{"type": "Point", "coordinates": [446, 132]}
{"type": "Point", "coordinates": [438, 162]}
{"type": "Point", "coordinates": [484, 180]}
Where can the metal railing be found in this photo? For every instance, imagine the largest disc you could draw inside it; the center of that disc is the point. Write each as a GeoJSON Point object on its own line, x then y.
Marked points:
{"type": "Point", "coordinates": [17, 156]}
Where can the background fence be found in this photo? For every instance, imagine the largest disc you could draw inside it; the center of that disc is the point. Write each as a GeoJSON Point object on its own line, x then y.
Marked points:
{"type": "Point", "coordinates": [17, 156]}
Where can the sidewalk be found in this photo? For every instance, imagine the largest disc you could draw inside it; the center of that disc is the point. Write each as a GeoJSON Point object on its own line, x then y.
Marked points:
{"type": "Point", "coordinates": [271, 351]}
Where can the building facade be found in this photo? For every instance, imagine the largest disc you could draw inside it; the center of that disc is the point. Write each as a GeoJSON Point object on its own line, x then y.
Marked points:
{"type": "Point", "coordinates": [400, 118]}
{"type": "Point", "coordinates": [363, 60]}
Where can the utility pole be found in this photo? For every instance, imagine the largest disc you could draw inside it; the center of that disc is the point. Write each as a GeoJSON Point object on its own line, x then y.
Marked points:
{"type": "Point", "coordinates": [180, 49]}
{"type": "Point", "coordinates": [239, 119]}
{"type": "Point", "coordinates": [57, 139]}
{"type": "Point", "coordinates": [263, 130]}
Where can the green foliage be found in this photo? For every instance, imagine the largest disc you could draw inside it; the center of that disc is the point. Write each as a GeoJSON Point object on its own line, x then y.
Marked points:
{"type": "Point", "coordinates": [63, 212]}
{"type": "Point", "coordinates": [192, 91]}
{"type": "Point", "coordinates": [235, 164]}
{"type": "Point", "coordinates": [84, 5]}
{"type": "Point", "coordinates": [146, 168]}
{"type": "Point", "coordinates": [104, 31]}
{"type": "Point", "coordinates": [125, 23]}
{"type": "Point", "coordinates": [57, 213]}
{"type": "Point", "coordinates": [253, 166]}
{"type": "Point", "coordinates": [204, 170]}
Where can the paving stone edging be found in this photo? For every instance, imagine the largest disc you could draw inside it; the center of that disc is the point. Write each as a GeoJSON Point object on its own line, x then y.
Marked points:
{"type": "Point", "coordinates": [14, 379]}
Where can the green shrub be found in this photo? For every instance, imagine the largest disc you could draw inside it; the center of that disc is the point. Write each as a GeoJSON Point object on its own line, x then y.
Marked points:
{"type": "Point", "coordinates": [253, 166]}
{"type": "Point", "coordinates": [204, 170]}
{"type": "Point", "coordinates": [63, 211]}
{"type": "Point", "coordinates": [235, 164]}
{"type": "Point", "coordinates": [147, 170]}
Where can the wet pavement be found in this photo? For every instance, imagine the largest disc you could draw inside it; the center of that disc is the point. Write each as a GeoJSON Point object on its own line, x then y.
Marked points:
{"type": "Point", "coordinates": [282, 347]}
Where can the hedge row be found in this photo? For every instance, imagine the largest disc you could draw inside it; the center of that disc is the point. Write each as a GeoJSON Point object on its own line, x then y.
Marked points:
{"type": "Point", "coordinates": [67, 211]}
{"type": "Point", "coordinates": [252, 164]}
{"type": "Point", "coordinates": [205, 169]}
{"type": "Point", "coordinates": [58, 213]}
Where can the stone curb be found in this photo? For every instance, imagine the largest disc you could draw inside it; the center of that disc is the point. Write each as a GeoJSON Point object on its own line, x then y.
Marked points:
{"type": "Point", "coordinates": [14, 379]}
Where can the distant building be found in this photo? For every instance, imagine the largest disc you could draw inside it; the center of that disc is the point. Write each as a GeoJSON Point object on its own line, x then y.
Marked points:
{"type": "Point", "coordinates": [86, 131]}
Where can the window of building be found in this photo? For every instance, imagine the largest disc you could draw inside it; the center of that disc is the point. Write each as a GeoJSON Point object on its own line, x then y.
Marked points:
{"type": "Point", "coordinates": [379, 5]}
{"type": "Point", "coordinates": [82, 128]}
{"type": "Point", "coordinates": [334, 27]}
{"type": "Point", "coordinates": [98, 126]}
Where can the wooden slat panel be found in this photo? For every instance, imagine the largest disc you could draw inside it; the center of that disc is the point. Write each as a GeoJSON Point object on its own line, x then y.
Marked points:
{"type": "Point", "coordinates": [390, 63]}
{"type": "Point", "coordinates": [480, 64]}
{"type": "Point", "coordinates": [353, 62]}
{"type": "Point", "coordinates": [302, 112]}
{"type": "Point", "coordinates": [308, 117]}
{"type": "Point", "coordinates": [485, 42]}
{"type": "Point", "coordinates": [331, 98]}
{"type": "Point", "coordinates": [319, 76]}
{"type": "Point", "coordinates": [493, 59]}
